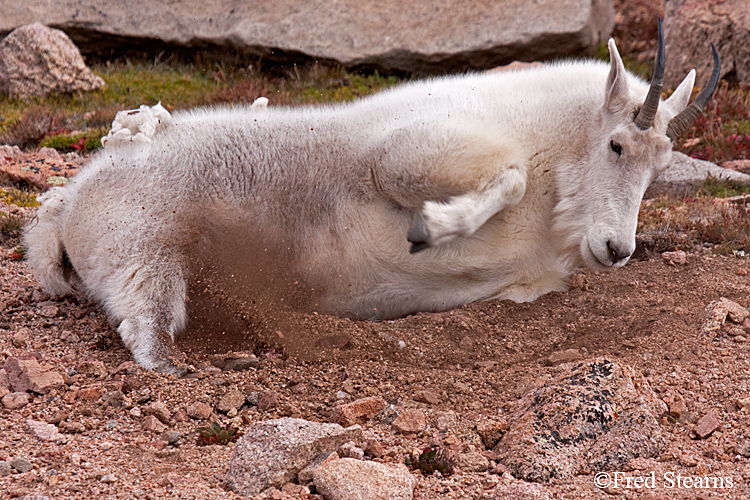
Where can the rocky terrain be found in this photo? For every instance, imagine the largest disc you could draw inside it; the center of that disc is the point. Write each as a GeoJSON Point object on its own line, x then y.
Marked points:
{"type": "Point", "coordinates": [79, 418]}
{"type": "Point", "coordinates": [633, 384]}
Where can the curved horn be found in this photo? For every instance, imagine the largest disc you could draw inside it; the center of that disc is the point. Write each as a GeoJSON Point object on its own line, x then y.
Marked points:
{"type": "Point", "coordinates": [682, 121]}
{"type": "Point", "coordinates": [645, 118]}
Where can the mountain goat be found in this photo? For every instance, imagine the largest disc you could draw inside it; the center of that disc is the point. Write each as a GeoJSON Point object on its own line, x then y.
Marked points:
{"type": "Point", "coordinates": [420, 198]}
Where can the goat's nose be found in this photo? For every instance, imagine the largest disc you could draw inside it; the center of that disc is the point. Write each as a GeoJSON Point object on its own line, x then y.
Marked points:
{"type": "Point", "coordinates": [617, 253]}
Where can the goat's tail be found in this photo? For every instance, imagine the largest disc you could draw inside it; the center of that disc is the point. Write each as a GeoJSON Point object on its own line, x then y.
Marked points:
{"type": "Point", "coordinates": [45, 251]}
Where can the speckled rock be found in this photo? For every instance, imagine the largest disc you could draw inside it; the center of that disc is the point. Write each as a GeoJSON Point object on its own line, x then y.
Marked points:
{"type": "Point", "coordinates": [472, 462]}
{"type": "Point", "coordinates": [491, 431]}
{"type": "Point", "coordinates": [691, 26]}
{"type": "Point", "coordinates": [599, 416]}
{"type": "Point", "coordinates": [272, 452]}
{"type": "Point", "coordinates": [152, 424]}
{"type": "Point", "coordinates": [349, 479]}
{"type": "Point", "coordinates": [521, 491]}
{"type": "Point", "coordinates": [21, 465]}
{"type": "Point", "coordinates": [15, 400]}
{"type": "Point", "coordinates": [159, 410]}
{"type": "Point", "coordinates": [36, 60]}
{"type": "Point", "coordinates": [199, 410]}
{"type": "Point", "coordinates": [717, 312]}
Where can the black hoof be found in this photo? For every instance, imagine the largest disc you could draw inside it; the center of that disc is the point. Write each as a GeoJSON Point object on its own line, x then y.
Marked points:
{"type": "Point", "coordinates": [418, 247]}
{"type": "Point", "coordinates": [419, 235]}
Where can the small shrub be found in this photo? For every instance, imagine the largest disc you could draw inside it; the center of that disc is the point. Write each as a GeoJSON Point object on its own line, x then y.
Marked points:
{"type": "Point", "coordinates": [669, 224]}
{"type": "Point", "coordinates": [81, 141]}
{"type": "Point", "coordinates": [722, 131]}
{"type": "Point", "coordinates": [33, 124]}
{"type": "Point", "coordinates": [216, 434]}
{"type": "Point", "coordinates": [18, 253]}
{"type": "Point", "coordinates": [10, 225]}
{"type": "Point", "coordinates": [432, 460]}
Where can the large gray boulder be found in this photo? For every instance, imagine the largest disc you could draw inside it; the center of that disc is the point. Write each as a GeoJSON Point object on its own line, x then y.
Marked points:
{"type": "Point", "coordinates": [421, 37]}
{"type": "Point", "coordinates": [36, 60]}
{"type": "Point", "coordinates": [690, 27]}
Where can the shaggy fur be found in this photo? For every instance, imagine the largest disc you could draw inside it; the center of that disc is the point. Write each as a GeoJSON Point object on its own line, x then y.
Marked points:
{"type": "Point", "coordinates": [421, 198]}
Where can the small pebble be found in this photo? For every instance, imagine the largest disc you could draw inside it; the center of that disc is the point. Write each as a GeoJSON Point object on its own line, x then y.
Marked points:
{"type": "Point", "coordinates": [171, 437]}
{"type": "Point", "coordinates": [108, 478]}
{"type": "Point", "coordinates": [21, 465]}
{"type": "Point", "coordinates": [742, 448]}
{"type": "Point", "coordinates": [341, 395]}
{"type": "Point", "coordinates": [252, 398]}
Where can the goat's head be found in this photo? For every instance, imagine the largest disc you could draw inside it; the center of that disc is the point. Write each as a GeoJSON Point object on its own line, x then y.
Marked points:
{"type": "Point", "coordinates": [633, 146]}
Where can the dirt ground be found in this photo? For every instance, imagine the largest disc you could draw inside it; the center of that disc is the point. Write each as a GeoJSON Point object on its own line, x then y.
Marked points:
{"type": "Point", "coordinates": [478, 360]}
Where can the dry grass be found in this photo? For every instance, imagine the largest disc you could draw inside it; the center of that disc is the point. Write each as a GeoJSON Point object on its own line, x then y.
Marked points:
{"type": "Point", "coordinates": [61, 121]}
{"type": "Point", "coordinates": [669, 224]}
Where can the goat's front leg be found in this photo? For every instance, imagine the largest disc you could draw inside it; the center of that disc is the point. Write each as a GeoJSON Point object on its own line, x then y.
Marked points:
{"type": "Point", "coordinates": [438, 222]}
{"type": "Point", "coordinates": [455, 176]}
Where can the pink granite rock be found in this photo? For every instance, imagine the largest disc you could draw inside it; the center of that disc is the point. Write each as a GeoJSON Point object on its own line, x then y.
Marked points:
{"type": "Point", "coordinates": [36, 60]}
{"type": "Point", "coordinates": [350, 479]}
{"type": "Point", "coordinates": [357, 412]}
{"type": "Point", "coordinates": [26, 374]}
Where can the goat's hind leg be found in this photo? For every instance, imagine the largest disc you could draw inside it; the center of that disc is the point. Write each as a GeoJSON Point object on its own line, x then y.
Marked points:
{"type": "Point", "coordinates": [150, 304]}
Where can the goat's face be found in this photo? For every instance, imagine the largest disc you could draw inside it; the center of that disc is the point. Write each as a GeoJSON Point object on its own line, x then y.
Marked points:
{"type": "Point", "coordinates": [633, 147]}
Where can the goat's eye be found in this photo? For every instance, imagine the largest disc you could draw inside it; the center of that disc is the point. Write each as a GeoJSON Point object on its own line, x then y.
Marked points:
{"type": "Point", "coordinates": [615, 147]}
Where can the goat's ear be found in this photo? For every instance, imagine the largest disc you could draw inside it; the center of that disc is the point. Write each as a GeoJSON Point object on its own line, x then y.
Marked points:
{"type": "Point", "coordinates": [681, 96]}
{"type": "Point", "coordinates": [617, 85]}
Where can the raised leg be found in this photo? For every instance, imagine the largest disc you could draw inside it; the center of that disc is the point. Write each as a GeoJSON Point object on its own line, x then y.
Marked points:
{"type": "Point", "coordinates": [454, 177]}
{"type": "Point", "coordinates": [439, 222]}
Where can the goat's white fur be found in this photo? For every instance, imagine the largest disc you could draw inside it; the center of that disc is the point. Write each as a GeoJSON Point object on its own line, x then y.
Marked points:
{"type": "Point", "coordinates": [508, 178]}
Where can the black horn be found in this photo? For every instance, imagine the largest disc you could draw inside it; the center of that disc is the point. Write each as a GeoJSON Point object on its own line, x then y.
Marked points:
{"type": "Point", "coordinates": [645, 118]}
{"type": "Point", "coordinates": [682, 121]}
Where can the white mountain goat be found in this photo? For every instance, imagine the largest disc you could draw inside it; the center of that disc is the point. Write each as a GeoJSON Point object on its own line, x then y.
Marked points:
{"type": "Point", "coordinates": [420, 198]}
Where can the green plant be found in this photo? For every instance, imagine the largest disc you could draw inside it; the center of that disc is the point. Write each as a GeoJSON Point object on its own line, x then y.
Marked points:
{"type": "Point", "coordinates": [18, 197]}
{"type": "Point", "coordinates": [216, 434]}
{"type": "Point", "coordinates": [720, 188]}
{"type": "Point", "coordinates": [432, 460]}
{"type": "Point", "coordinates": [80, 141]}
{"type": "Point", "coordinates": [18, 253]}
